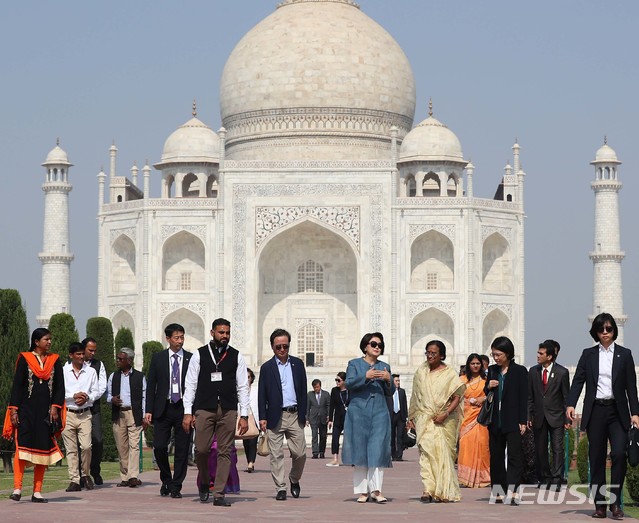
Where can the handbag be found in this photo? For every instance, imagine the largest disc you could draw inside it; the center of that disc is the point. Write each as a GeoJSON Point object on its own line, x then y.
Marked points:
{"type": "Point", "coordinates": [409, 438]}
{"type": "Point", "coordinates": [262, 445]}
{"type": "Point", "coordinates": [485, 416]}
{"type": "Point", "coordinates": [633, 447]}
{"type": "Point", "coordinates": [252, 431]}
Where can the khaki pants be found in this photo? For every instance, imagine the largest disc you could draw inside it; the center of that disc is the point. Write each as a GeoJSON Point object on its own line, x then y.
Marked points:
{"type": "Point", "coordinates": [127, 440]}
{"type": "Point", "coordinates": [77, 431]}
{"type": "Point", "coordinates": [290, 427]}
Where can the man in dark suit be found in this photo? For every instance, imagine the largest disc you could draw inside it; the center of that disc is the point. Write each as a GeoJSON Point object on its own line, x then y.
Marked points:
{"type": "Point", "coordinates": [610, 407]}
{"type": "Point", "coordinates": [548, 386]}
{"type": "Point", "coordinates": [317, 405]}
{"type": "Point", "coordinates": [398, 407]}
{"type": "Point", "coordinates": [165, 409]}
{"type": "Point", "coordinates": [281, 401]}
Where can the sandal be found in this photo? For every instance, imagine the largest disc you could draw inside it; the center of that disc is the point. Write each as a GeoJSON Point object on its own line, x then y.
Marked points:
{"type": "Point", "coordinates": [363, 498]}
{"type": "Point", "coordinates": [250, 468]}
{"type": "Point", "coordinates": [378, 498]}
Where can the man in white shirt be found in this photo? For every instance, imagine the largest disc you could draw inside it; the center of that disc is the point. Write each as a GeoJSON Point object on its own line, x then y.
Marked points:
{"type": "Point", "coordinates": [80, 391]}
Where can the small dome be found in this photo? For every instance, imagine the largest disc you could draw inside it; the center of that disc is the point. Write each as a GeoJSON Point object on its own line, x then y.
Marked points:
{"type": "Point", "coordinates": [431, 140]}
{"type": "Point", "coordinates": [193, 142]}
{"type": "Point", "coordinates": [605, 153]}
{"type": "Point", "coordinates": [57, 156]}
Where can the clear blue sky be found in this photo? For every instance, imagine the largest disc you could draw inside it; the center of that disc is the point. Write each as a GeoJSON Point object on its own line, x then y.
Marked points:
{"type": "Point", "coordinates": [557, 76]}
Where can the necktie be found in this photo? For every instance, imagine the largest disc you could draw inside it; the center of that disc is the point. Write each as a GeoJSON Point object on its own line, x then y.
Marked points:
{"type": "Point", "coordinates": [175, 380]}
{"type": "Point", "coordinates": [544, 379]}
{"type": "Point", "coordinates": [318, 398]}
{"type": "Point", "coordinates": [396, 402]}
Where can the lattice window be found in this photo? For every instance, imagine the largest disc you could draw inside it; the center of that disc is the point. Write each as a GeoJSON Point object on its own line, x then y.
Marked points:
{"type": "Point", "coordinates": [185, 281]}
{"type": "Point", "coordinates": [431, 281]}
{"type": "Point", "coordinates": [310, 277]}
{"type": "Point", "coordinates": [310, 340]}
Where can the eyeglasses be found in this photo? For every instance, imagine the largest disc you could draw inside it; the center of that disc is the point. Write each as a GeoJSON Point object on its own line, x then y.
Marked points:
{"type": "Point", "coordinates": [374, 344]}
{"type": "Point", "coordinates": [428, 353]}
{"type": "Point", "coordinates": [282, 347]}
{"type": "Point", "coordinates": [605, 329]}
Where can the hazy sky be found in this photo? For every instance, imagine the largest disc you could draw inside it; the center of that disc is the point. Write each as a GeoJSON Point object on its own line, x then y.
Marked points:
{"type": "Point", "coordinates": [556, 75]}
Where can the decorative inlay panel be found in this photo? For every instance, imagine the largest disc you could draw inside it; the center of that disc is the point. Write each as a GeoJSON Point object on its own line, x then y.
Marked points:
{"type": "Point", "coordinates": [488, 230]}
{"type": "Point", "coordinates": [167, 231]}
{"type": "Point", "coordinates": [487, 308]}
{"type": "Point", "coordinates": [197, 308]}
{"type": "Point", "coordinates": [416, 230]}
{"type": "Point", "coordinates": [131, 232]}
{"type": "Point", "coordinates": [414, 308]}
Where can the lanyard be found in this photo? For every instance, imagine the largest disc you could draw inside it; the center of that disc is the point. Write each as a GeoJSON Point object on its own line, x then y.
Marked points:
{"type": "Point", "coordinates": [217, 363]}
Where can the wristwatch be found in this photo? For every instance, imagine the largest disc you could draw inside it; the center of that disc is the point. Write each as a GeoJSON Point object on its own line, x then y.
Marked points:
{"type": "Point", "coordinates": [244, 417]}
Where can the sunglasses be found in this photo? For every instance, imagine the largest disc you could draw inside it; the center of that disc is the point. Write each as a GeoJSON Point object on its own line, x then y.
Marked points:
{"type": "Point", "coordinates": [282, 347]}
{"type": "Point", "coordinates": [605, 329]}
{"type": "Point", "coordinates": [337, 380]}
{"type": "Point", "coordinates": [374, 344]}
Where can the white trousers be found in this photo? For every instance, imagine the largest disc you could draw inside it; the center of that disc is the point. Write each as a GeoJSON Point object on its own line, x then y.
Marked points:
{"type": "Point", "coordinates": [367, 480]}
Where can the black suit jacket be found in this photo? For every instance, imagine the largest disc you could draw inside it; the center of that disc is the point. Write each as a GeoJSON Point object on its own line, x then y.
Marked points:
{"type": "Point", "coordinates": [514, 399]}
{"type": "Point", "coordinates": [403, 405]}
{"type": "Point", "coordinates": [269, 391]}
{"type": "Point", "coordinates": [159, 381]}
{"type": "Point", "coordinates": [337, 410]}
{"type": "Point", "coordinates": [551, 404]}
{"type": "Point", "coordinates": [624, 384]}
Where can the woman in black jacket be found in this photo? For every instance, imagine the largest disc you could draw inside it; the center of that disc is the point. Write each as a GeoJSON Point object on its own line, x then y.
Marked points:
{"type": "Point", "coordinates": [509, 383]}
{"type": "Point", "coordinates": [336, 414]}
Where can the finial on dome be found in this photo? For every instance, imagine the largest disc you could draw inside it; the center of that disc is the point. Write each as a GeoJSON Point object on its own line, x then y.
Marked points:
{"type": "Point", "coordinates": [57, 141]}
{"type": "Point", "coordinates": [605, 139]}
{"type": "Point", "coordinates": [194, 112]}
{"type": "Point", "coordinates": [430, 107]}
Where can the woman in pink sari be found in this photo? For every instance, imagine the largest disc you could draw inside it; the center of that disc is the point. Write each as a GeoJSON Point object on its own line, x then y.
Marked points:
{"type": "Point", "coordinates": [473, 460]}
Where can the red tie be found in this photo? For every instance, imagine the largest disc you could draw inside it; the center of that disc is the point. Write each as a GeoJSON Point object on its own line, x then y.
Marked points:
{"type": "Point", "coordinates": [544, 379]}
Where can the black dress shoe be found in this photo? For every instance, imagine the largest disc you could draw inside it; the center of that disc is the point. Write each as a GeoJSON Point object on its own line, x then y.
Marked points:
{"type": "Point", "coordinates": [295, 490]}
{"type": "Point", "coordinates": [134, 482]}
{"type": "Point", "coordinates": [73, 487]}
{"type": "Point", "coordinates": [97, 479]}
{"type": "Point", "coordinates": [600, 513]}
{"type": "Point", "coordinates": [39, 500]}
{"type": "Point", "coordinates": [204, 495]}
{"type": "Point", "coordinates": [123, 484]}
{"type": "Point", "coordinates": [314, 456]}
{"type": "Point", "coordinates": [426, 499]}
{"type": "Point", "coordinates": [221, 501]}
{"type": "Point", "coordinates": [15, 497]}
{"type": "Point", "coordinates": [321, 455]}
{"type": "Point", "coordinates": [164, 490]}
{"type": "Point", "coordinates": [617, 513]}
{"type": "Point", "coordinates": [176, 494]}
{"type": "Point", "coordinates": [88, 483]}
{"type": "Point", "coordinates": [281, 495]}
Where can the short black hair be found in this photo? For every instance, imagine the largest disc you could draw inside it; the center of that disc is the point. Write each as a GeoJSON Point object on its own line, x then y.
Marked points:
{"type": "Point", "coordinates": [549, 348]}
{"type": "Point", "coordinates": [279, 332]}
{"type": "Point", "coordinates": [368, 337]}
{"type": "Point", "coordinates": [503, 344]}
{"type": "Point", "coordinates": [554, 344]}
{"type": "Point", "coordinates": [88, 340]}
{"type": "Point", "coordinates": [598, 323]}
{"type": "Point", "coordinates": [341, 375]}
{"type": "Point", "coordinates": [484, 358]}
{"type": "Point", "coordinates": [316, 382]}
{"type": "Point", "coordinates": [395, 376]}
{"type": "Point", "coordinates": [251, 375]}
{"type": "Point", "coordinates": [171, 328]}
{"type": "Point", "coordinates": [76, 347]}
{"type": "Point", "coordinates": [220, 321]}
{"type": "Point", "coordinates": [440, 346]}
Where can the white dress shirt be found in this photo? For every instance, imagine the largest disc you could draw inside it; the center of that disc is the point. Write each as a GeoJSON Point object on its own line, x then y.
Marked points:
{"type": "Point", "coordinates": [86, 380]}
{"type": "Point", "coordinates": [604, 382]}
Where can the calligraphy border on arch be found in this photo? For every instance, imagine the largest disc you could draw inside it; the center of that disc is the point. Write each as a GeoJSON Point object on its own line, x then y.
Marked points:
{"type": "Point", "coordinates": [130, 232]}
{"type": "Point", "coordinates": [240, 223]}
{"type": "Point", "coordinates": [487, 308]}
{"type": "Point", "coordinates": [488, 230]}
{"type": "Point", "coordinates": [166, 231]}
{"type": "Point", "coordinates": [447, 229]}
{"type": "Point", "coordinates": [126, 307]}
{"type": "Point", "coordinates": [415, 307]}
{"type": "Point", "coordinates": [197, 308]}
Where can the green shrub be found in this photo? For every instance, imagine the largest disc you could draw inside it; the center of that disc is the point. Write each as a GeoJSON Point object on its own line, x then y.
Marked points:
{"type": "Point", "coordinates": [63, 334]}
{"type": "Point", "coordinates": [632, 482]}
{"type": "Point", "coordinates": [582, 459]}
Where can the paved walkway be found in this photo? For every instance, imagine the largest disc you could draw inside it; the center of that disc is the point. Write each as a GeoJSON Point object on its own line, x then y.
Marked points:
{"type": "Point", "coordinates": [326, 497]}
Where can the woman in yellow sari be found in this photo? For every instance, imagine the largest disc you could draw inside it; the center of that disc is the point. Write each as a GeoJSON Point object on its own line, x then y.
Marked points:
{"type": "Point", "coordinates": [435, 412]}
{"type": "Point", "coordinates": [473, 460]}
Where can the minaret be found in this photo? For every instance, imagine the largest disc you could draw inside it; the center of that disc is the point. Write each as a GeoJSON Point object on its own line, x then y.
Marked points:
{"type": "Point", "coordinates": [607, 295]}
{"type": "Point", "coordinates": [56, 256]}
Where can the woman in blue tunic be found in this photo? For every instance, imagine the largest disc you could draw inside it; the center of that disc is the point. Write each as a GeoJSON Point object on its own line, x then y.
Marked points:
{"type": "Point", "coordinates": [367, 430]}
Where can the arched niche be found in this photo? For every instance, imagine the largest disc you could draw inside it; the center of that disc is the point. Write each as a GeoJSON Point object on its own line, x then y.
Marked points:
{"type": "Point", "coordinates": [195, 333]}
{"type": "Point", "coordinates": [190, 186]}
{"type": "Point", "coordinates": [431, 186]}
{"type": "Point", "coordinates": [123, 319]}
{"type": "Point", "coordinates": [183, 263]}
{"type": "Point", "coordinates": [432, 263]}
{"type": "Point", "coordinates": [497, 268]}
{"type": "Point", "coordinates": [496, 323]}
{"type": "Point", "coordinates": [123, 269]}
{"type": "Point", "coordinates": [431, 324]}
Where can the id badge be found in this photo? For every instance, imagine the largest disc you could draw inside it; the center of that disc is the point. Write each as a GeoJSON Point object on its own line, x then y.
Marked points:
{"type": "Point", "coordinates": [216, 376]}
{"type": "Point", "coordinates": [175, 388]}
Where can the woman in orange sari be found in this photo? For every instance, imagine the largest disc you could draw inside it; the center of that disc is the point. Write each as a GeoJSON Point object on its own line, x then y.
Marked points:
{"type": "Point", "coordinates": [473, 460]}
{"type": "Point", "coordinates": [37, 397]}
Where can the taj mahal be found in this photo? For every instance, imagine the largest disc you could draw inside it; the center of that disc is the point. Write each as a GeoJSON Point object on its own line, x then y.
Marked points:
{"type": "Point", "coordinates": [319, 206]}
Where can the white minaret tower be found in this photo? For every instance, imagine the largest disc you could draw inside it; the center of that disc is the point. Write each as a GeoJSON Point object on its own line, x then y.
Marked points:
{"type": "Point", "coordinates": [607, 295]}
{"type": "Point", "coordinates": [56, 256]}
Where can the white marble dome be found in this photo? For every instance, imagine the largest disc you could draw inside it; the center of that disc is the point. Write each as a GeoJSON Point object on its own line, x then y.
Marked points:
{"type": "Point", "coordinates": [193, 142]}
{"type": "Point", "coordinates": [316, 78]}
{"type": "Point", "coordinates": [57, 156]}
{"type": "Point", "coordinates": [431, 140]}
{"type": "Point", "coordinates": [606, 154]}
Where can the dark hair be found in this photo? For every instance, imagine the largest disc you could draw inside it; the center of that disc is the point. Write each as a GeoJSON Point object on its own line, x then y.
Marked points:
{"type": "Point", "coordinates": [173, 327]}
{"type": "Point", "coordinates": [342, 375]}
{"type": "Point", "coordinates": [315, 382]}
{"type": "Point", "coordinates": [75, 347]}
{"type": "Point", "coordinates": [88, 340]}
{"type": "Point", "coordinates": [37, 335]}
{"type": "Point", "coordinates": [251, 375]}
{"type": "Point", "coordinates": [484, 358]}
{"type": "Point", "coordinates": [473, 356]}
{"type": "Point", "coordinates": [219, 321]}
{"type": "Point", "coordinates": [368, 337]}
{"type": "Point", "coordinates": [598, 323]}
{"type": "Point", "coordinates": [279, 332]}
{"type": "Point", "coordinates": [394, 376]}
{"type": "Point", "coordinates": [503, 344]}
{"type": "Point", "coordinates": [440, 345]}
{"type": "Point", "coordinates": [550, 349]}
{"type": "Point", "coordinates": [554, 344]}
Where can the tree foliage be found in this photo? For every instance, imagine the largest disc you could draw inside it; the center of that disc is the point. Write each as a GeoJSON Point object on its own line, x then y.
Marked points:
{"type": "Point", "coordinates": [14, 338]}
{"type": "Point", "coordinates": [124, 338]}
{"type": "Point", "coordinates": [149, 348]}
{"type": "Point", "coordinates": [582, 459]}
{"type": "Point", "coordinates": [63, 334]}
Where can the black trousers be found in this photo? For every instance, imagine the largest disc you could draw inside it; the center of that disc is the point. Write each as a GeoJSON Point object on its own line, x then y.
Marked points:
{"type": "Point", "coordinates": [604, 426]}
{"type": "Point", "coordinates": [171, 420]}
{"type": "Point", "coordinates": [250, 449]}
{"type": "Point", "coordinates": [338, 427]}
{"type": "Point", "coordinates": [502, 477]}
{"type": "Point", "coordinates": [547, 472]}
{"type": "Point", "coordinates": [97, 443]}
{"type": "Point", "coordinates": [398, 425]}
{"type": "Point", "coordinates": [318, 438]}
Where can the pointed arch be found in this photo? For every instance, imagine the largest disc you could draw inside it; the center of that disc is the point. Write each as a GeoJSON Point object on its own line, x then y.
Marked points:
{"type": "Point", "coordinates": [432, 263]}
{"type": "Point", "coordinates": [195, 335]}
{"type": "Point", "coordinates": [426, 326]}
{"type": "Point", "coordinates": [123, 266]}
{"type": "Point", "coordinates": [190, 186]}
{"type": "Point", "coordinates": [431, 186]}
{"type": "Point", "coordinates": [183, 263]}
{"type": "Point", "coordinates": [497, 268]}
{"type": "Point", "coordinates": [496, 323]}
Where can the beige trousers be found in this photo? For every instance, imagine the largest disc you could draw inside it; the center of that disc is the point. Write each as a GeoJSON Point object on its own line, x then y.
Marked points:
{"type": "Point", "coordinates": [290, 427]}
{"type": "Point", "coordinates": [77, 431]}
{"type": "Point", "coordinates": [127, 440]}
